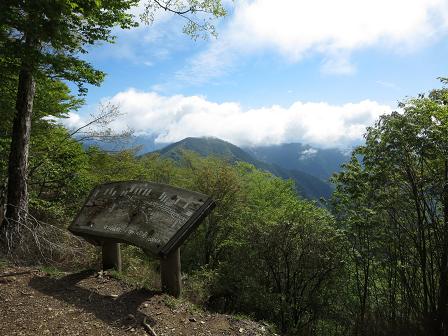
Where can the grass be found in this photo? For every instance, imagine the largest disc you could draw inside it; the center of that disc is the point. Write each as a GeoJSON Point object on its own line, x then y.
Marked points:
{"type": "Point", "coordinates": [138, 269]}
{"type": "Point", "coordinates": [3, 263]}
{"type": "Point", "coordinates": [174, 303]}
{"type": "Point", "coordinates": [52, 271]}
{"type": "Point", "coordinates": [241, 317]}
{"type": "Point", "coordinates": [133, 279]}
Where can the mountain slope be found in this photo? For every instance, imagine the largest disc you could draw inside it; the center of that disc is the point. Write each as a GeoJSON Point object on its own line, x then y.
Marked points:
{"type": "Point", "coordinates": [321, 163]}
{"type": "Point", "coordinates": [207, 147]}
{"type": "Point", "coordinates": [307, 185]}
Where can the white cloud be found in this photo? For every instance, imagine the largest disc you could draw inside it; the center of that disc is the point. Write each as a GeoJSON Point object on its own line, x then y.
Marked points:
{"type": "Point", "coordinates": [307, 153]}
{"type": "Point", "coordinates": [73, 121]}
{"type": "Point", "coordinates": [216, 61]}
{"type": "Point", "coordinates": [173, 118]}
{"type": "Point", "coordinates": [333, 29]}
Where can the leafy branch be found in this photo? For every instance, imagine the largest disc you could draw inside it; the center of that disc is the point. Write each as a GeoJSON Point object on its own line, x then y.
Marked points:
{"type": "Point", "coordinates": [199, 14]}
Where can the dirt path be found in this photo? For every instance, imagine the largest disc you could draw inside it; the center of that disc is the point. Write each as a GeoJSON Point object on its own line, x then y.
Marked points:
{"type": "Point", "coordinates": [87, 303]}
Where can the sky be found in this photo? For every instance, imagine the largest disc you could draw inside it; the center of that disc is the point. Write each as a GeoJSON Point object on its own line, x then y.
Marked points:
{"type": "Point", "coordinates": [316, 72]}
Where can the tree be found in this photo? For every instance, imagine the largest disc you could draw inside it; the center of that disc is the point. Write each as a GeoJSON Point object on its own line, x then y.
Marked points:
{"type": "Point", "coordinates": [394, 207]}
{"type": "Point", "coordinates": [52, 100]}
{"type": "Point", "coordinates": [290, 251]}
{"type": "Point", "coordinates": [219, 180]}
{"type": "Point", "coordinates": [276, 257]}
{"type": "Point", "coordinates": [46, 38]}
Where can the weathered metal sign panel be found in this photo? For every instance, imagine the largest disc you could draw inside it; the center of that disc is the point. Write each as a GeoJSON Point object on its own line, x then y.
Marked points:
{"type": "Point", "coordinates": [155, 217]}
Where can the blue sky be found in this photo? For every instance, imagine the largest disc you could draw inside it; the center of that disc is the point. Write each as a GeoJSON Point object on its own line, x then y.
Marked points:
{"type": "Point", "coordinates": [316, 72]}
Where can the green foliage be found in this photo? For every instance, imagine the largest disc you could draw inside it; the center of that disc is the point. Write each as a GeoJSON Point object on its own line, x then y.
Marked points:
{"type": "Point", "coordinates": [105, 167]}
{"type": "Point", "coordinates": [199, 285]}
{"type": "Point", "coordinates": [263, 251]}
{"type": "Point", "coordinates": [379, 266]}
{"type": "Point", "coordinates": [393, 206]}
{"type": "Point", "coordinates": [198, 14]}
{"type": "Point", "coordinates": [306, 184]}
{"type": "Point", "coordinates": [52, 100]}
{"type": "Point", "coordinates": [52, 272]}
{"type": "Point", "coordinates": [58, 164]}
{"type": "Point", "coordinates": [139, 270]}
{"type": "Point", "coordinates": [376, 265]}
{"type": "Point", "coordinates": [58, 174]}
{"type": "Point", "coordinates": [49, 36]}
{"type": "Point", "coordinates": [219, 180]}
{"type": "Point", "coordinates": [281, 255]}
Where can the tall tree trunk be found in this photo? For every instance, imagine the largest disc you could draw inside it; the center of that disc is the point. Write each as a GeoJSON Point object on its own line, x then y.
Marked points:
{"type": "Point", "coordinates": [17, 194]}
{"type": "Point", "coordinates": [441, 318]}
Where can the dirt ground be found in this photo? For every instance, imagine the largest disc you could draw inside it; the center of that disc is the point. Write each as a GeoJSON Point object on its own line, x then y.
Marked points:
{"type": "Point", "coordinates": [91, 303]}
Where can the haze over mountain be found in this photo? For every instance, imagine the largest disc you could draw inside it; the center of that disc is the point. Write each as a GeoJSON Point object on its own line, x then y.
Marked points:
{"type": "Point", "coordinates": [321, 163]}
{"type": "Point", "coordinates": [143, 144]}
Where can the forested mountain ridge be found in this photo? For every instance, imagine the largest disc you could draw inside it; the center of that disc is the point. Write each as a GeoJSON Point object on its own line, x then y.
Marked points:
{"type": "Point", "coordinates": [307, 185]}
{"type": "Point", "coordinates": [311, 168]}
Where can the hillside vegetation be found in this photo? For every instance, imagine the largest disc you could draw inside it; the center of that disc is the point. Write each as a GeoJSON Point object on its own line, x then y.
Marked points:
{"type": "Point", "coordinates": [307, 185]}
{"type": "Point", "coordinates": [373, 263]}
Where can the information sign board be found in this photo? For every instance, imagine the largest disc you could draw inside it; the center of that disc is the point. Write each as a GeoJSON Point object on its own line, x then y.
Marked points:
{"type": "Point", "coordinates": [155, 217]}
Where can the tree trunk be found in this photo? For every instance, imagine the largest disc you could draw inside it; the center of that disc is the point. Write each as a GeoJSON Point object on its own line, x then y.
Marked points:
{"type": "Point", "coordinates": [17, 194]}
{"type": "Point", "coordinates": [441, 318]}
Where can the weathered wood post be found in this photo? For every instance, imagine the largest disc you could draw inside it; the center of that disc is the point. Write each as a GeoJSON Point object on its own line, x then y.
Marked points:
{"type": "Point", "coordinates": [170, 273]}
{"type": "Point", "coordinates": [111, 254]}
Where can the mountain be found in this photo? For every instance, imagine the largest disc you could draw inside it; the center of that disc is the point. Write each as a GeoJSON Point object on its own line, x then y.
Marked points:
{"type": "Point", "coordinates": [208, 146]}
{"type": "Point", "coordinates": [307, 185]}
{"type": "Point", "coordinates": [321, 163]}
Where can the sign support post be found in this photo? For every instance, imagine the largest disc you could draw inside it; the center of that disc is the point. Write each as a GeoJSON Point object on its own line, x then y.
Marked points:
{"type": "Point", "coordinates": [170, 273]}
{"type": "Point", "coordinates": [111, 254]}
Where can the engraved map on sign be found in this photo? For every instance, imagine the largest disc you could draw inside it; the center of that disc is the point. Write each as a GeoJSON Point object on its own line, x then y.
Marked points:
{"type": "Point", "coordinates": [155, 217]}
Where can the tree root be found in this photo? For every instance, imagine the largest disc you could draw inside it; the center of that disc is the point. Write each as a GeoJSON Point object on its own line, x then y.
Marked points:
{"type": "Point", "coordinates": [148, 328]}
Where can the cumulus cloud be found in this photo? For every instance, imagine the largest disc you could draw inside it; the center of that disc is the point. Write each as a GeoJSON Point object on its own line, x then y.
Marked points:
{"type": "Point", "coordinates": [73, 121]}
{"type": "Point", "coordinates": [173, 118]}
{"type": "Point", "coordinates": [333, 29]}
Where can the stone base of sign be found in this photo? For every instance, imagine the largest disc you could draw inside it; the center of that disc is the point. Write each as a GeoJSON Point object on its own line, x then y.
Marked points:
{"type": "Point", "coordinates": [170, 273]}
{"type": "Point", "coordinates": [111, 256]}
